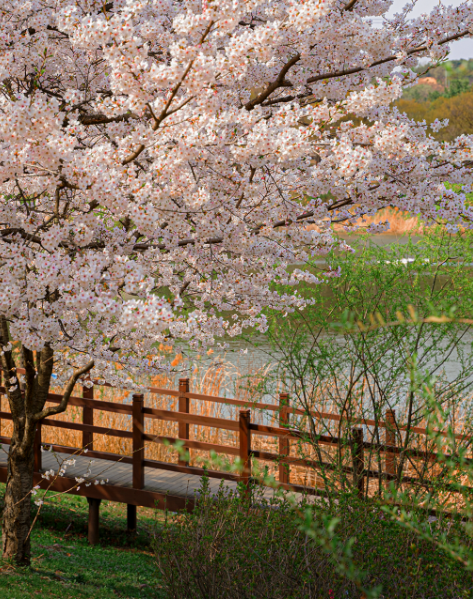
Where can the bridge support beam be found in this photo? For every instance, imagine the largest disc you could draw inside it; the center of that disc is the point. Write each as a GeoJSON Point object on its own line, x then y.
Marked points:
{"type": "Point", "coordinates": [94, 517]}
{"type": "Point", "coordinates": [131, 519]}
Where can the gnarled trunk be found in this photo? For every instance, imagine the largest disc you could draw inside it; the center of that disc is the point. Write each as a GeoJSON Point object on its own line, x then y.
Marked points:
{"type": "Point", "coordinates": [17, 513]}
{"type": "Point", "coordinates": [27, 403]}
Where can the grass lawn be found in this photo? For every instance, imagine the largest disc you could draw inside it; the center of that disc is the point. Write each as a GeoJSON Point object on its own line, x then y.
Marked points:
{"type": "Point", "coordinates": [65, 566]}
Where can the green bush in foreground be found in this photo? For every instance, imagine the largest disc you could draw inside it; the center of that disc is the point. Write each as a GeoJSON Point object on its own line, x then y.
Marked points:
{"type": "Point", "coordinates": [231, 548]}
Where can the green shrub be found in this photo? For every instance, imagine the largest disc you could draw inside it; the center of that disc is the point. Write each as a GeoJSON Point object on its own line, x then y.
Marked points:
{"type": "Point", "coordinates": [228, 549]}
{"type": "Point", "coordinates": [233, 548]}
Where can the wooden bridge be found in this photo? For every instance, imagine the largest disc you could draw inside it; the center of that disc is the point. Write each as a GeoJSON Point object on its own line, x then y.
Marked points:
{"type": "Point", "coordinates": [137, 481]}
{"type": "Point", "coordinates": [133, 479]}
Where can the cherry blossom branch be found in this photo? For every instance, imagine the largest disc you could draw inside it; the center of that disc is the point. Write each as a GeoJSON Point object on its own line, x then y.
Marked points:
{"type": "Point", "coordinates": [350, 6]}
{"type": "Point", "coordinates": [82, 212]}
{"type": "Point", "coordinates": [164, 113]}
{"type": "Point", "coordinates": [277, 83]}
{"type": "Point", "coordinates": [66, 394]}
{"type": "Point", "coordinates": [102, 119]}
{"type": "Point", "coordinates": [354, 70]}
{"type": "Point", "coordinates": [8, 366]}
{"type": "Point", "coordinates": [376, 63]}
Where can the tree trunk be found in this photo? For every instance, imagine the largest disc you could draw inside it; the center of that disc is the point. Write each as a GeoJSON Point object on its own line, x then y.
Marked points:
{"type": "Point", "coordinates": [17, 513]}
{"type": "Point", "coordinates": [27, 409]}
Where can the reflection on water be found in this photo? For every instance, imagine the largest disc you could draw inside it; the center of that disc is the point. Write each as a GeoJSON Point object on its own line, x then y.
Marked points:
{"type": "Point", "coordinates": [244, 359]}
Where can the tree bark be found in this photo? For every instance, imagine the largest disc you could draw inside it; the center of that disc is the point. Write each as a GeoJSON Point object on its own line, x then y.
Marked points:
{"type": "Point", "coordinates": [27, 405]}
{"type": "Point", "coordinates": [17, 512]}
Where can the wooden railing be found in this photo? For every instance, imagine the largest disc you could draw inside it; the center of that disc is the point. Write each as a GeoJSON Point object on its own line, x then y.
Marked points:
{"type": "Point", "coordinates": [245, 428]}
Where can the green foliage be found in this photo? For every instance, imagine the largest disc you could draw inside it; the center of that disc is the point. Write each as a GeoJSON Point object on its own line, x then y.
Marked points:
{"type": "Point", "coordinates": [233, 548]}
{"type": "Point", "coordinates": [227, 548]}
{"type": "Point", "coordinates": [432, 273]}
{"type": "Point", "coordinates": [456, 187]}
{"type": "Point", "coordinates": [455, 509]}
{"type": "Point", "coordinates": [316, 353]}
{"type": "Point", "coordinates": [393, 559]}
{"type": "Point", "coordinates": [457, 87]}
{"type": "Point", "coordinates": [422, 93]}
{"type": "Point", "coordinates": [452, 100]}
{"type": "Point", "coordinates": [421, 104]}
{"type": "Point", "coordinates": [362, 349]}
{"type": "Point", "coordinates": [451, 70]}
{"type": "Point", "coordinates": [455, 77]}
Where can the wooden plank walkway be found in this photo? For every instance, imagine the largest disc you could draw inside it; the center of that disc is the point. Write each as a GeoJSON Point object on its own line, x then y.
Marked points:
{"type": "Point", "coordinates": [117, 474]}
{"type": "Point", "coordinates": [133, 479]}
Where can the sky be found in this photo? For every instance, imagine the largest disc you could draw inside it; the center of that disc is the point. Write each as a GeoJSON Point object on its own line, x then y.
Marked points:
{"type": "Point", "coordinates": [459, 49]}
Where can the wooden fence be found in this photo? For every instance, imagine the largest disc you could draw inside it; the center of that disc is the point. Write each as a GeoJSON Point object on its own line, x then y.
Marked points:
{"type": "Point", "coordinates": [243, 426]}
{"type": "Point", "coordinates": [359, 472]}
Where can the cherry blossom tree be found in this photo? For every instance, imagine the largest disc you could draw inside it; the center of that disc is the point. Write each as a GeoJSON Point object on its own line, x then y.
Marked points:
{"type": "Point", "coordinates": [160, 161]}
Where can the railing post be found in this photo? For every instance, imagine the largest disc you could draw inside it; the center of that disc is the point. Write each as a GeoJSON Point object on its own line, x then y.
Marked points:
{"type": "Point", "coordinates": [138, 445]}
{"type": "Point", "coordinates": [88, 418]}
{"type": "Point", "coordinates": [390, 459]}
{"type": "Point", "coordinates": [284, 449]}
{"type": "Point", "coordinates": [358, 461]}
{"type": "Point", "coordinates": [38, 464]}
{"type": "Point", "coordinates": [245, 447]}
{"type": "Point", "coordinates": [138, 471]}
{"type": "Point", "coordinates": [184, 404]}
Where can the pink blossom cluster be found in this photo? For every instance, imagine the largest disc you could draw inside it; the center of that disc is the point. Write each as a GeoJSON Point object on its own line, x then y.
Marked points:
{"type": "Point", "coordinates": [160, 161]}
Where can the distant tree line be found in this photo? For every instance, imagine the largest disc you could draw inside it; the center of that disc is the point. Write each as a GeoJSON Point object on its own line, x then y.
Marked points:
{"type": "Point", "coordinates": [452, 78]}
{"type": "Point", "coordinates": [450, 98]}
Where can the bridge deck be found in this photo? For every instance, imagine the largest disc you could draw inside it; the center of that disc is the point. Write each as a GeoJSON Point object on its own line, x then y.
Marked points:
{"type": "Point", "coordinates": [157, 482]}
